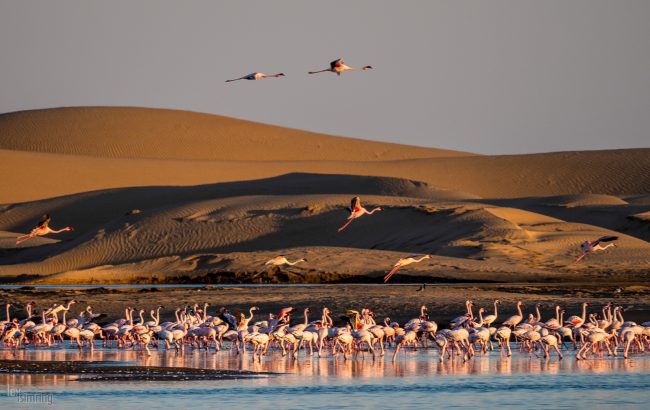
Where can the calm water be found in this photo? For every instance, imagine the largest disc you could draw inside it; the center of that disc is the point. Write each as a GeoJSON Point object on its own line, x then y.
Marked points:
{"type": "Point", "coordinates": [415, 380]}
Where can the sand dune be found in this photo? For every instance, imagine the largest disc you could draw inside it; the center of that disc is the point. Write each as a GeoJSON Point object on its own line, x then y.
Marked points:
{"type": "Point", "coordinates": [127, 132]}
{"type": "Point", "coordinates": [31, 176]}
{"type": "Point", "coordinates": [197, 235]}
{"type": "Point", "coordinates": [155, 195]}
{"type": "Point", "coordinates": [47, 153]}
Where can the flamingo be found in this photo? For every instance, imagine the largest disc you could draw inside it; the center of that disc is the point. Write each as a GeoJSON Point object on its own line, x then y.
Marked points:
{"type": "Point", "coordinates": [256, 76]}
{"type": "Point", "coordinates": [42, 229]}
{"type": "Point", "coordinates": [514, 320]}
{"type": "Point", "coordinates": [586, 247]}
{"type": "Point", "coordinates": [282, 260]}
{"type": "Point", "coordinates": [403, 262]}
{"type": "Point", "coordinates": [8, 321]}
{"type": "Point", "coordinates": [356, 211]}
{"type": "Point", "coordinates": [578, 321]}
{"type": "Point", "coordinates": [338, 66]}
{"type": "Point", "coordinates": [489, 319]}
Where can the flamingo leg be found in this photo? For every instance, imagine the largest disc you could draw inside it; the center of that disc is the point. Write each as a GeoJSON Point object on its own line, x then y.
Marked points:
{"type": "Point", "coordinates": [23, 238]}
{"type": "Point", "coordinates": [391, 273]}
{"type": "Point", "coordinates": [346, 224]}
{"type": "Point", "coordinates": [580, 258]}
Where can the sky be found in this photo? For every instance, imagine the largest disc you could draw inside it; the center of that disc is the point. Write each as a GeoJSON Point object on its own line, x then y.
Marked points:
{"type": "Point", "coordinates": [492, 77]}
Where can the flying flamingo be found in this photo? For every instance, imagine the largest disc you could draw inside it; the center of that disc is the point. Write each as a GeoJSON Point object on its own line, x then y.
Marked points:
{"type": "Point", "coordinates": [338, 66]}
{"type": "Point", "coordinates": [256, 76]}
{"type": "Point", "coordinates": [282, 260]}
{"type": "Point", "coordinates": [403, 262]}
{"type": "Point", "coordinates": [586, 247]}
{"type": "Point", "coordinates": [356, 211]}
{"type": "Point", "coordinates": [42, 229]}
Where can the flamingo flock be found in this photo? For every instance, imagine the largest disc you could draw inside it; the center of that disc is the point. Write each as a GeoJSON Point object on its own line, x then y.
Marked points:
{"type": "Point", "coordinates": [337, 66]}
{"type": "Point", "coordinates": [354, 332]}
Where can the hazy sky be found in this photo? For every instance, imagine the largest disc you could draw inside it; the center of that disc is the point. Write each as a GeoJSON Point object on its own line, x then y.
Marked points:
{"type": "Point", "coordinates": [484, 76]}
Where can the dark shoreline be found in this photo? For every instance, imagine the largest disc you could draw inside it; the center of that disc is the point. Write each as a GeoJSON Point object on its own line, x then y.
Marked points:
{"type": "Point", "coordinates": [114, 371]}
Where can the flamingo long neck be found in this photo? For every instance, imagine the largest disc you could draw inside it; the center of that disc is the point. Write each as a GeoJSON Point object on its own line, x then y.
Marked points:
{"type": "Point", "coordinates": [178, 319]}
{"type": "Point", "coordinates": [324, 321]}
{"type": "Point", "coordinates": [373, 211]}
{"type": "Point", "coordinates": [620, 314]}
{"type": "Point", "coordinates": [495, 309]}
{"type": "Point", "coordinates": [205, 312]}
{"type": "Point", "coordinates": [519, 310]}
{"type": "Point", "coordinates": [330, 322]}
{"type": "Point", "coordinates": [557, 314]}
{"type": "Point", "coordinates": [561, 319]}
{"type": "Point", "coordinates": [126, 314]}
{"type": "Point", "coordinates": [67, 228]}
{"type": "Point", "coordinates": [539, 315]}
{"type": "Point", "coordinates": [480, 318]}
{"type": "Point", "coordinates": [421, 259]}
{"type": "Point", "coordinates": [605, 316]}
{"type": "Point", "coordinates": [469, 311]}
{"type": "Point", "coordinates": [43, 318]}
{"type": "Point", "coordinates": [29, 311]}
{"type": "Point", "coordinates": [250, 311]}
{"type": "Point", "coordinates": [157, 318]}
{"type": "Point", "coordinates": [64, 313]}
{"type": "Point", "coordinates": [306, 317]}
{"type": "Point", "coordinates": [8, 317]}
{"type": "Point", "coordinates": [141, 316]}
{"type": "Point", "coordinates": [584, 312]}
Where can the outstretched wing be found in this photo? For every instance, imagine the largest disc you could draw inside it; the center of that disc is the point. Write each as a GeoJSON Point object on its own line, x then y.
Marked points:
{"type": "Point", "coordinates": [604, 239]}
{"type": "Point", "coordinates": [355, 203]}
{"type": "Point", "coordinates": [336, 63]}
{"type": "Point", "coordinates": [45, 221]}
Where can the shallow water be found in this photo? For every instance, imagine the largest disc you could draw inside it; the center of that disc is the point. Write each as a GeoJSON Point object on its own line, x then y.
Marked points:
{"type": "Point", "coordinates": [415, 380]}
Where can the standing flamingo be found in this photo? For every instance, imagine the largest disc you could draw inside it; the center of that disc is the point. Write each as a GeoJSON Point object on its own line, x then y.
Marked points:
{"type": "Point", "coordinates": [514, 320]}
{"type": "Point", "coordinates": [489, 319]}
{"type": "Point", "coordinates": [586, 247]}
{"type": "Point", "coordinates": [338, 66]}
{"type": "Point", "coordinates": [256, 76]}
{"type": "Point", "coordinates": [42, 229]}
{"type": "Point", "coordinates": [403, 262]}
{"type": "Point", "coordinates": [356, 211]}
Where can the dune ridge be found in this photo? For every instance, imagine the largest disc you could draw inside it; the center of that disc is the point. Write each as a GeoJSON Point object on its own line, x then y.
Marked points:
{"type": "Point", "coordinates": [131, 132]}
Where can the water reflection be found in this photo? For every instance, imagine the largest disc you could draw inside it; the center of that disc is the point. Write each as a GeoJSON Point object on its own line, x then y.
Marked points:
{"type": "Point", "coordinates": [420, 363]}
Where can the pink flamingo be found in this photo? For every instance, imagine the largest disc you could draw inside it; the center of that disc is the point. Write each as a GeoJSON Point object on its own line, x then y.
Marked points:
{"type": "Point", "coordinates": [403, 262]}
{"type": "Point", "coordinates": [586, 247]}
{"type": "Point", "coordinates": [338, 66]}
{"type": "Point", "coordinates": [256, 76]}
{"type": "Point", "coordinates": [282, 260]}
{"type": "Point", "coordinates": [357, 211]}
{"type": "Point", "coordinates": [514, 320]}
{"type": "Point", "coordinates": [42, 229]}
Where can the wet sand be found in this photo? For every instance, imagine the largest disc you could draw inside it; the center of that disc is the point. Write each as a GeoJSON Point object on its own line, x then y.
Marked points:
{"type": "Point", "coordinates": [399, 302]}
